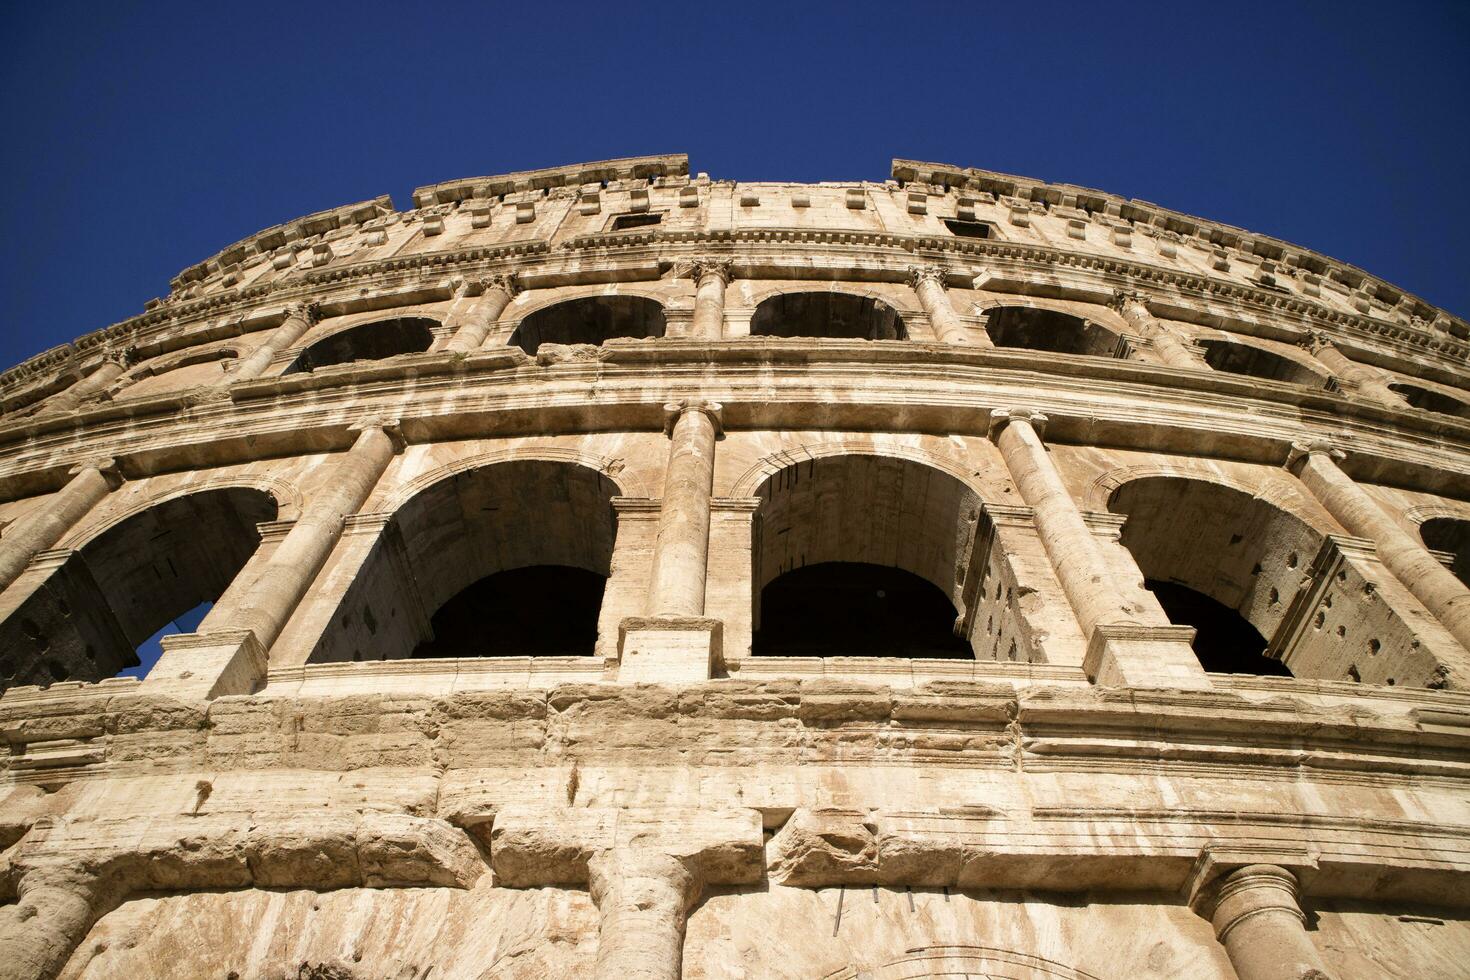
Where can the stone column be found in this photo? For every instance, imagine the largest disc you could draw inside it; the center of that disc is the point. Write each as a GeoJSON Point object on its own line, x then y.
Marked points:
{"type": "Point", "coordinates": [473, 320]}
{"type": "Point", "coordinates": [306, 546]}
{"type": "Point", "coordinates": [681, 551]}
{"type": "Point", "coordinates": [643, 899]}
{"type": "Point", "coordinates": [675, 643]}
{"type": "Point", "coordinates": [299, 319]}
{"type": "Point", "coordinates": [233, 656]}
{"type": "Point", "coordinates": [94, 383]}
{"type": "Point", "coordinates": [1261, 925]}
{"type": "Point", "coordinates": [1409, 561]}
{"type": "Point", "coordinates": [1123, 648]}
{"type": "Point", "coordinates": [711, 278]}
{"type": "Point", "coordinates": [44, 526]}
{"type": "Point", "coordinates": [1173, 350]}
{"type": "Point", "coordinates": [928, 283]}
{"type": "Point", "coordinates": [56, 908]}
{"type": "Point", "coordinates": [1367, 380]}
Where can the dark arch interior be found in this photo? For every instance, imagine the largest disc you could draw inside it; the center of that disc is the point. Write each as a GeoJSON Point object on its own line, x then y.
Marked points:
{"type": "Point", "coordinates": [592, 320]}
{"type": "Point", "coordinates": [1228, 356]}
{"type": "Point", "coordinates": [88, 619]}
{"type": "Point", "coordinates": [855, 609]}
{"type": "Point", "coordinates": [542, 610]}
{"type": "Point", "coordinates": [827, 315]}
{"type": "Point", "coordinates": [1048, 330]}
{"type": "Point", "coordinates": [1452, 535]}
{"type": "Point", "coordinates": [1217, 559]}
{"type": "Point", "coordinates": [520, 546]}
{"type": "Point", "coordinates": [1224, 641]}
{"type": "Point", "coordinates": [369, 342]}
{"type": "Point", "coordinates": [1432, 401]}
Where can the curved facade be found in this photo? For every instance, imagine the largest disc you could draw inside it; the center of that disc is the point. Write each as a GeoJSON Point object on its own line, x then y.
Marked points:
{"type": "Point", "coordinates": [604, 571]}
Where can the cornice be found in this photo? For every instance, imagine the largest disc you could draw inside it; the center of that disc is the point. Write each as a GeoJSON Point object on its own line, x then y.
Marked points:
{"type": "Point", "coordinates": [763, 384]}
{"type": "Point", "coordinates": [399, 270]}
{"type": "Point", "coordinates": [1135, 212]}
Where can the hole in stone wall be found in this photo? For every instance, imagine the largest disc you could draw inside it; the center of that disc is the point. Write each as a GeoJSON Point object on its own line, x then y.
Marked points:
{"type": "Point", "coordinates": [829, 315]}
{"type": "Point", "coordinates": [543, 610]}
{"type": "Point", "coordinates": [368, 342]}
{"type": "Point", "coordinates": [854, 609]}
{"type": "Point", "coordinates": [1224, 641]}
{"type": "Point", "coordinates": [591, 320]}
{"type": "Point", "coordinates": [1030, 328]}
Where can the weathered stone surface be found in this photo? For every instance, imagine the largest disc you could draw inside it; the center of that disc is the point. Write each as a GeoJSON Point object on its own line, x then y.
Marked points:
{"type": "Point", "coordinates": [1065, 418]}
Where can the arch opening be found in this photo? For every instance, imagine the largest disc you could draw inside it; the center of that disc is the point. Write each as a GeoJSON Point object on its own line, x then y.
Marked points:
{"type": "Point", "coordinates": [1216, 559]}
{"type": "Point", "coordinates": [1225, 642]}
{"type": "Point", "coordinates": [103, 611]}
{"type": "Point", "coordinates": [856, 609]}
{"type": "Point", "coordinates": [827, 315]}
{"type": "Point", "coordinates": [591, 320]}
{"type": "Point", "coordinates": [539, 610]}
{"type": "Point", "coordinates": [1428, 400]}
{"type": "Point", "coordinates": [507, 559]}
{"type": "Point", "coordinates": [1256, 362]}
{"type": "Point", "coordinates": [1450, 534]}
{"type": "Point", "coordinates": [831, 533]}
{"type": "Point", "coordinates": [1207, 550]}
{"type": "Point", "coordinates": [1036, 329]}
{"type": "Point", "coordinates": [368, 342]}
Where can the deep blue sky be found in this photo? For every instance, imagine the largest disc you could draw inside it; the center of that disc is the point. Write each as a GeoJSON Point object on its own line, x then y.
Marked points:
{"type": "Point", "coordinates": [141, 138]}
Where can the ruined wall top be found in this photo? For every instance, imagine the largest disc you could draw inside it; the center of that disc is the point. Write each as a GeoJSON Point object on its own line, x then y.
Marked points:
{"type": "Point", "coordinates": [987, 219]}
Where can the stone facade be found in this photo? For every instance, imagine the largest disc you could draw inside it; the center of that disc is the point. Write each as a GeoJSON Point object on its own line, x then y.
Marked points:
{"type": "Point", "coordinates": [1030, 399]}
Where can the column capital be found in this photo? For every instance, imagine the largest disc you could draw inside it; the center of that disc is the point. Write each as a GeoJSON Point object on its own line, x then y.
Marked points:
{"type": "Point", "coordinates": [308, 311]}
{"type": "Point", "coordinates": [506, 282]}
{"type": "Point", "coordinates": [936, 274]}
{"type": "Point", "coordinates": [1314, 341]}
{"type": "Point", "coordinates": [390, 426]}
{"type": "Point", "coordinates": [1125, 298]}
{"type": "Point", "coordinates": [698, 268]}
{"type": "Point", "coordinates": [673, 410]}
{"type": "Point", "coordinates": [1001, 417]}
{"type": "Point", "coordinates": [1301, 450]}
{"type": "Point", "coordinates": [1249, 891]}
{"type": "Point", "coordinates": [106, 465]}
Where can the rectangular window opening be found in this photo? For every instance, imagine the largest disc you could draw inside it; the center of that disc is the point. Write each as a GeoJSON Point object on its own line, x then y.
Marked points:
{"type": "Point", "coordinates": [967, 229]}
{"type": "Point", "coordinates": [625, 221]}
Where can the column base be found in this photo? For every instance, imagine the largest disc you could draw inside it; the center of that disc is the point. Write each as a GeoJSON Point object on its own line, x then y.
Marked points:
{"type": "Point", "coordinates": [208, 665]}
{"type": "Point", "coordinates": [669, 649]}
{"type": "Point", "coordinates": [1128, 655]}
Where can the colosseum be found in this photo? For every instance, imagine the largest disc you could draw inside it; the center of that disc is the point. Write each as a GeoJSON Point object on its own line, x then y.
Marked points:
{"type": "Point", "coordinates": [586, 571]}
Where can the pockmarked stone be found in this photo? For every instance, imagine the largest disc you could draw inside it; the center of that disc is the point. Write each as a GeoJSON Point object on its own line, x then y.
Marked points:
{"type": "Point", "coordinates": [611, 571]}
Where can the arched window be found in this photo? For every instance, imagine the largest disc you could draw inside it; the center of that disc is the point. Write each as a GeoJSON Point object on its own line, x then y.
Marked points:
{"type": "Point", "coordinates": [829, 315]}
{"type": "Point", "coordinates": [1432, 401]}
{"type": "Point", "coordinates": [130, 584]}
{"type": "Point", "coordinates": [1234, 358]}
{"type": "Point", "coordinates": [857, 555]}
{"type": "Point", "coordinates": [505, 560]}
{"type": "Point", "coordinates": [1453, 535]}
{"type": "Point", "coordinates": [368, 342]}
{"type": "Point", "coordinates": [591, 320]}
{"type": "Point", "coordinates": [199, 369]}
{"type": "Point", "coordinates": [1254, 580]}
{"type": "Point", "coordinates": [1030, 328]}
